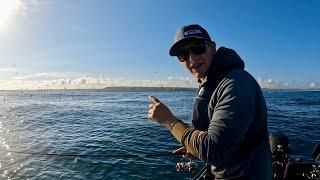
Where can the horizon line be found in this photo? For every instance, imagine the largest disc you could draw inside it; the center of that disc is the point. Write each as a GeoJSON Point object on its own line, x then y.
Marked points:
{"type": "Point", "coordinates": [146, 87]}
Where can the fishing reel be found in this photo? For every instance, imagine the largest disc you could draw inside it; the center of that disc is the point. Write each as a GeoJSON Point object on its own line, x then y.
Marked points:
{"type": "Point", "coordinates": [285, 167]}
{"type": "Point", "coordinates": [280, 162]}
{"type": "Point", "coordinates": [298, 169]}
{"type": "Point", "coordinates": [186, 164]}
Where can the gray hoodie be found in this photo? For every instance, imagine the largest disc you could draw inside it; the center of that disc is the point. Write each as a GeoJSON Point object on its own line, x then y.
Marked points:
{"type": "Point", "coordinates": [229, 123]}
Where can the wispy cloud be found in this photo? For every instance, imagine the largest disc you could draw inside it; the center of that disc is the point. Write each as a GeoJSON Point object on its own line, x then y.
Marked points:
{"type": "Point", "coordinates": [47, 76]}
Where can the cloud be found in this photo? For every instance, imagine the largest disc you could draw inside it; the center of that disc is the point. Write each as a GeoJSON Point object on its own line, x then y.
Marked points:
{"type": "Point", "coordinates": [314, 85]}
{"type": "Point", "coordinates": [8, 69]}
{"type": "Point", "coordinates": [267, 83]}
{"type": "Point", "coordinates": [275, 84]}
{"type": "Point", "coordinates": [181, 81]}
{"type": "Point", "coordinates": [69, 80]}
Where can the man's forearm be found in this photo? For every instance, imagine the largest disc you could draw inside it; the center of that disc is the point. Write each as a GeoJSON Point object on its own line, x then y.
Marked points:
{"type": "Point", "coordinates": [187, 136]}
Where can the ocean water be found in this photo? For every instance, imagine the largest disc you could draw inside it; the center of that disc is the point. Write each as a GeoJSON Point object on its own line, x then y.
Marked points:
{"type": "Point", "coordinates": [114, 123]}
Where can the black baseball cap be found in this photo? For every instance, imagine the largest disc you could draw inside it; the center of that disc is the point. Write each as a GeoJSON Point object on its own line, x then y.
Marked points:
{"type": "Point", "coordinates": [187, 33]}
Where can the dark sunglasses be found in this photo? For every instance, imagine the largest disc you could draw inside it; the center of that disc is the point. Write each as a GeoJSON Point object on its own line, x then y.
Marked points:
{"type": "Point", "coordinates": [197, 49]}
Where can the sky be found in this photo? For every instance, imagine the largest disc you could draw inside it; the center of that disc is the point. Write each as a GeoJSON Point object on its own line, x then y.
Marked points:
{"type": "Point", "coordinates": [57, 44]}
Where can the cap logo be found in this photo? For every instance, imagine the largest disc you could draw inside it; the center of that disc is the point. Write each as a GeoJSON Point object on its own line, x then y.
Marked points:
{"type": "Point", "coordinates": [191, 32]}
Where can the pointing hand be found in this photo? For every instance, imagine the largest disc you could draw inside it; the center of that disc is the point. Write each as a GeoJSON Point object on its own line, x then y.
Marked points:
{"type": "Point", "coordinates": [160, 113]}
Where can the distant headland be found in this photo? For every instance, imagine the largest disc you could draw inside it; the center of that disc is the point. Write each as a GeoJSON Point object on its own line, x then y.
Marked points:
{"type": "Point", "coordinates": [147, 89]}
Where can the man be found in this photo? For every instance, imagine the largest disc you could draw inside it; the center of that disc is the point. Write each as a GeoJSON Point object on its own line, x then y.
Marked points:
{"type": "Point", "coordinates": [229, 119]}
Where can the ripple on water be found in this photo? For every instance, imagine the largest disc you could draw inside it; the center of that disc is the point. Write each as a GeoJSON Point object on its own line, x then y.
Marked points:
{"type": "Point", "coordinates": [105, 123]}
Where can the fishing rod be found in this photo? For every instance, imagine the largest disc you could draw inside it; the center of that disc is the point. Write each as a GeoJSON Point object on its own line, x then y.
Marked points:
{"type": "Point", "coordinates": [184, 165]}
{"type": "Point", "coordinates": [123, 155]}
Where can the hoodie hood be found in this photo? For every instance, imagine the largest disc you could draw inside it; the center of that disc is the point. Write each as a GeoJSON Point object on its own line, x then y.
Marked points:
{"type": "Point", "coordinates": [224, 60]}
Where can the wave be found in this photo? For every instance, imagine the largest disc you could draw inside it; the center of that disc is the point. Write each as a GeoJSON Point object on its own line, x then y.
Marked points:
{"type": "Point", "coordinates": [306, 101]}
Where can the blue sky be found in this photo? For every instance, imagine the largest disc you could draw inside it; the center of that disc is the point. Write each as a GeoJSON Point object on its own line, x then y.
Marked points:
{"type": "Point", "coordinates": [93, 44]}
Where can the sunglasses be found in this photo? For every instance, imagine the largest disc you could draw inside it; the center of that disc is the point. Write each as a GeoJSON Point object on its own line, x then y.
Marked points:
{"type": "Point", "coordinates": [197, 49]}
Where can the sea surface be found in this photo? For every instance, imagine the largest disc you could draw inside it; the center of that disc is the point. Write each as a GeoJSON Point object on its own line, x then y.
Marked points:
{"type": "Point", "coordinates": [102, 123]}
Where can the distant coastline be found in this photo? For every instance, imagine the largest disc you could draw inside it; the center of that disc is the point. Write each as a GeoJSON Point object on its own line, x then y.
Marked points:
{"type": "Point", "coordinates": [275, 90]}
{"type": "Point", "coordinates": [146, 89]}
{"type": "Point", "coordinates": [169, 89]}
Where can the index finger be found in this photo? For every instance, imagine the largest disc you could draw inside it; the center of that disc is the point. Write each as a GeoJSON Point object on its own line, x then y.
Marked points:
{"type": "Point", "coordinates": [154, 99]}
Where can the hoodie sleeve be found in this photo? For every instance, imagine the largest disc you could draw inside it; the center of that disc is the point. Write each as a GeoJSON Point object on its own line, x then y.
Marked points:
{"type": "Point", "coordinates": [231, 118]}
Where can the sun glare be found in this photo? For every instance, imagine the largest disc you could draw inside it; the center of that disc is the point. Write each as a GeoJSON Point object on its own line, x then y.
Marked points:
{"type": "Point", "coordinates": [7, 10]}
